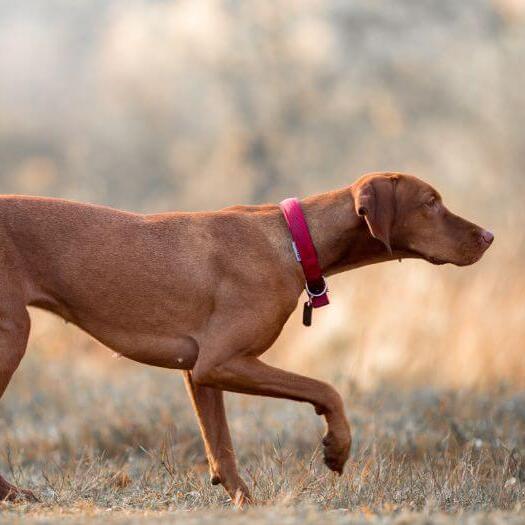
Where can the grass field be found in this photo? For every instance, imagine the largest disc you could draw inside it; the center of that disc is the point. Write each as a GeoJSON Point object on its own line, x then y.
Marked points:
{"type": "Point", "coordinates": [428, 360]}
{"type": "Point", "coordinates": [181, 105]}
{"type": "Point", "coordinates": [95, 436]}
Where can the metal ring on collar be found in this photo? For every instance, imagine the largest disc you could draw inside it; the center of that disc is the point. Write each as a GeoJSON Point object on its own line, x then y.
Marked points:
{"type": "Point", "coordinates": [313, 294]}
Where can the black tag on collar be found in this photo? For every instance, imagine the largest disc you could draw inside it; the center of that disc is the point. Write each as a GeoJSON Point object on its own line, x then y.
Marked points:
{"type": "Point", "coordinates": [307, 313]}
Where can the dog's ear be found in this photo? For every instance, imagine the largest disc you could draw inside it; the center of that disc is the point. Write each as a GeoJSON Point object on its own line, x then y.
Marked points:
{"type": "Point", "coordinates": [375, 201]}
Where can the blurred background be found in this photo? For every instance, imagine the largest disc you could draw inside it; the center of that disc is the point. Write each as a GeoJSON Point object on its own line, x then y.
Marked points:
{"type": "Point", "coordinates": [189, 105]}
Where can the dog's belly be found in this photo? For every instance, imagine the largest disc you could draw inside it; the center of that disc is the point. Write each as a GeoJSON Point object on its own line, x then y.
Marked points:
{"type": "Point", "coordinates": [161, 345]}
{"type": "Point", "coordinates": [178, 351]}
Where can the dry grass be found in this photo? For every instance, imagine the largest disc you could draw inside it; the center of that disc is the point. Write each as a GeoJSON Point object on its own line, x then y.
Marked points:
{"type": "Point", "coordinates": [189, 105]}
{"type": "Point", "coordinates": [94, 435]}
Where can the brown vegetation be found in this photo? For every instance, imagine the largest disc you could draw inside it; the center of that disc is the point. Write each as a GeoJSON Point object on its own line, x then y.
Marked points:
{"type": "Point", "coordinates": [91, 434]}
{"type": "Point", "coordinates": [194, 105]}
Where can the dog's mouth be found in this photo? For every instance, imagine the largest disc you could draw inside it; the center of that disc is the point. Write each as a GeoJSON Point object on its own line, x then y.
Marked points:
{"type": "Point", "coordinates": [467, 260]}
{"type": "Point", "coordinates": [434, 260]}
{"type": "Point", "coordinates": [415, 254]}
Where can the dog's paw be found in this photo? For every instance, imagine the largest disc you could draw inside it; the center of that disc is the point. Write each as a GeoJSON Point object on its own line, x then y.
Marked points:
{"type": "Point", "coordinates": [239, 494]}
{"type": "Point", "coordinates": [336, 451]}
{"type": "Point", "coordinates": [235, 487]}
{"type": "Point", "coordinates": [242, 497]}
{"type": "Point", "coordinates": [14, 494]}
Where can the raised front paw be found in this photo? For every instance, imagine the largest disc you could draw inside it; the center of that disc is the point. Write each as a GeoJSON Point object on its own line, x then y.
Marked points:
{"type": "Point", "coordinates": [336, 450]}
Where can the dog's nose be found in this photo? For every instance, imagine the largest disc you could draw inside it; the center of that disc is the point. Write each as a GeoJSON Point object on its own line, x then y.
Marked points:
{"type": "Point", "coordinates": [487, 237]}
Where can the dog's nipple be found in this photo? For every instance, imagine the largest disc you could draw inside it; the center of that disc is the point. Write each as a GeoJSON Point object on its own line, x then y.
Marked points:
{"type": "Point", "coordinates": [179, 360]}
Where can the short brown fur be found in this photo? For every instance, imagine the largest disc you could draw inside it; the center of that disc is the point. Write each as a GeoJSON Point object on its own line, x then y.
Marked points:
{"type": "Point", "coordinates": [209, 292]}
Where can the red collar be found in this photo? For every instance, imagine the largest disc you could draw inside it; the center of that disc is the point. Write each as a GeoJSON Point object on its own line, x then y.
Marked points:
{"type": "Point", "coordinates": [305, 253]}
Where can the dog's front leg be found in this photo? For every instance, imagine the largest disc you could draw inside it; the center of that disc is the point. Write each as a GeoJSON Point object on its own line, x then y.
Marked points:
{"type": "Point", "coordinates": [248, 375]}
{"type": "Point", "coordinates": [209, 407]}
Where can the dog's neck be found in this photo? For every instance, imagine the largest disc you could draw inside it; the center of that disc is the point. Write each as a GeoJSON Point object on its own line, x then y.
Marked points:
{"type": "Point", "coordinates": [340, 235]}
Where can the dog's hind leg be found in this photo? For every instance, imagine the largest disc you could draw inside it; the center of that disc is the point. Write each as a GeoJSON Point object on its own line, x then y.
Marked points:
{"type": "Point", "coordinates": [14, 331]}
{"type": "Point", "coordinates": [209, 407]}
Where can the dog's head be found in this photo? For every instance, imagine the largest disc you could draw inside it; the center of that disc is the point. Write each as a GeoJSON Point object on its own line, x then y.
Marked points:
{"type": "Point", "coordinates": [409, 217]}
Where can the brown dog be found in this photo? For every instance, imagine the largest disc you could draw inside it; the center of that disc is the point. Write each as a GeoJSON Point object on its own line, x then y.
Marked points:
{"type": "Point", "coordinates": [209, 292]}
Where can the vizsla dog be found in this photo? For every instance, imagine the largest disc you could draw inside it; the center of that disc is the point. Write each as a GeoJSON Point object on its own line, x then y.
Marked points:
{"type": "Point", "coordinates": [209, 292]}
